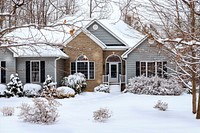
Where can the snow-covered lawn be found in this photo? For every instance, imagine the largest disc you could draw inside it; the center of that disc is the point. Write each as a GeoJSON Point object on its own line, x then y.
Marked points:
{"type": "Point", "coordinates": [131, 114]}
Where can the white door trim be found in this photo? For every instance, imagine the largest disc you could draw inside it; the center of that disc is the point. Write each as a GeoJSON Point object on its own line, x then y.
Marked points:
{"type": "Point", "coordinates": [113, 78]}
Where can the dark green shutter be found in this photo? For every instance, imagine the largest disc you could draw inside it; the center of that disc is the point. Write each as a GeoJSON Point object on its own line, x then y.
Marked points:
{"type": "Point", "coordinates": [137, 68]}
{"type": "Point", "coordinates": [28, 71]}
{"type": "Point", "coordinates": [165, 69]}
{"type": "Point", "coordinates": [3, 72]}
{"type": "Point", "coordinates": [42, 71]}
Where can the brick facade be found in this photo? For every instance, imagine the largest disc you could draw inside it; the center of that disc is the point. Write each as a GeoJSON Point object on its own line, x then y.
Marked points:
{"type": "Point", "coordinates": [82, 44]}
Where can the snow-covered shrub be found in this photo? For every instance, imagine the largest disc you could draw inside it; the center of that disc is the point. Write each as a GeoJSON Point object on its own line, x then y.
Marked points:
{"type": "Point", "coordinates": [3, 88]}
{"type": "Point", "coordinates": [102, 114]}
{"type": "Point", "coordinates": [8, 111]}
{"type": "Point", "coordinates": [153, 86]}
{"type": "Point", "coordinates": [14, 87]}
{"type": "Point", "coordinates": [65, 92]}
{"type": "Point", "coordinates": [161, 105]}
{"type": "Point", "coordinates": [32, 90]}
{"type": "Point", "coordinates": [102, 88]}
{"type": "Point", "coordinates": [44, 111]}
{"type": "Point", "coordinates": [49, 89]}
{"type": "Point", "coordinates": [76, 81]}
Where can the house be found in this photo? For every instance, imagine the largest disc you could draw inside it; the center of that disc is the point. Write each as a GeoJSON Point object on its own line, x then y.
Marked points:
{"type": "Point", "coordinates": [105, 51]}
{"type": "Point", "coordinates": [111, 52]}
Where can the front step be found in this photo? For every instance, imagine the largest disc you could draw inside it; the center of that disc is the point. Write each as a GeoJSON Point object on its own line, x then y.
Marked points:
{"type": "Point", "coordinates": [115, 89]}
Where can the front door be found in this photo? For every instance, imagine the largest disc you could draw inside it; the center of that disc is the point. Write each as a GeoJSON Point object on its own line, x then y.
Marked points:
{"type": "Point", "coordinates": [113, 75]}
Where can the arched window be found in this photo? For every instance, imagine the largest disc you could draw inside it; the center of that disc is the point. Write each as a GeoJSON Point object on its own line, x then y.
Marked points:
{"type": "Point", "coordinates": [113, 58]}
{"type": "Point", "coordinates": [83, 65]}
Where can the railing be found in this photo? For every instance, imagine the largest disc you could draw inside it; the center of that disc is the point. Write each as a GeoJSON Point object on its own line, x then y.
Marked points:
{"type": "Point", "coordinates": [122, 79]}
{"type": "Point", "coordinates": [105, 79]}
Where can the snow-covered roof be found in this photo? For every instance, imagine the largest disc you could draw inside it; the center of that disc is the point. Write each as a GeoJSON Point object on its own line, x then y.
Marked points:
{"type": "Point", "coordinates": [41, 50]}
{"type": "Point", "coordinates": [120, 30]}
{"type": "Point", "coordinates": [27, 35]}
{"type": "Point", "coordinates": [125, 54]}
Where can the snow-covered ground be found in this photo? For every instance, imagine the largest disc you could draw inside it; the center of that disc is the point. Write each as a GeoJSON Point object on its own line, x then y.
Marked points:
{"type": "Point", "coordinates": [131, 114]}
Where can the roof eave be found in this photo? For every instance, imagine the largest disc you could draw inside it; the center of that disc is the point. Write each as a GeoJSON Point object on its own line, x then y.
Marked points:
{"type": "Point", "coordinates": [125, 54]}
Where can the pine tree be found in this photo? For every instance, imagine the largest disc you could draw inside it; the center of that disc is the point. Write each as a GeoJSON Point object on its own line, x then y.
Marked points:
{"type": "Point", "coordinates": [15, 86]}
{"type": "Point", "coordinates": [49, 89]}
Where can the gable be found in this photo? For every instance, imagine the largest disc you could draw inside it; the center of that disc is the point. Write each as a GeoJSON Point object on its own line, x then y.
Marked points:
{"type": "Point", "coordinates": [145, 51]}
{"type": "Point", "coordinates": [103, 35]}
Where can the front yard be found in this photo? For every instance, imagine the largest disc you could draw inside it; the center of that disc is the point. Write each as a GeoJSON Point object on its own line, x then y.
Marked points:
{"type": "Point", "coordinates": [130, 114]}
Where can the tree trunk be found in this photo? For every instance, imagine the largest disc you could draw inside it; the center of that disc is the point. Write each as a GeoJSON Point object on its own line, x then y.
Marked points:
{"type": "Point", "coordinates": [194, 109]}
{"type": "Point", "coordinates": [198, 109]}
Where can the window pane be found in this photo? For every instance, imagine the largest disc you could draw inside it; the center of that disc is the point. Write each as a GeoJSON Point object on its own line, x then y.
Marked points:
{"type": "Point", "coordinates": [82, 67]}
{"type": "Point", "coordinates": [143, 68]}
{"type": "Point", "coordinates": [159, 69]}
{"type": "Point", "coordinates": [73, 67]}
{"type": "Point", "coordinates": [91, 70]}
{"type": "Point", "coordinates": [120, 68]}
{"type": "Point", "coordinates": [35, 71]}
{"type": "Point", "coordinates": [82, 58]}
{"type": "Point", "coordinates": [113, 58]}
{"type": "Point", "coordinates": [151, 69]}
{"type": "Point", "coordinates": [165, 69]}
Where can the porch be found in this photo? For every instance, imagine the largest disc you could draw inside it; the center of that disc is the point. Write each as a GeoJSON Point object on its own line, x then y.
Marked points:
{"type": "Point", "coordinates": [121, 81]}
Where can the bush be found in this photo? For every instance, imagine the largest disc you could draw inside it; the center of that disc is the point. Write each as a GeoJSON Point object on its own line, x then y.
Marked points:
{"type": "Point", "coordinates": [3, 89]}
{"type": "Point", "coordinates": [102, 88]}
{"type": "Point", "coordinates": [49, 89]}
{"type": "Point", "coordinates": [153, 86]}
{"type": "Point", "coordinates": [65, 92]}
{"type": "Point", "coordinates": [161, 105]}
{"type": "Point", "coordinates": [14, 87]}
{"type": "Point", "coordinates": [102, 115]}
{"type": "Point", "coordinates": [8, 111]}
{"type": "Point", "coordinates": [44, 111]}
{"type": "Point", "coordinates": [76, 81]}
{"type": "Point", "coordinates": [32, 90]}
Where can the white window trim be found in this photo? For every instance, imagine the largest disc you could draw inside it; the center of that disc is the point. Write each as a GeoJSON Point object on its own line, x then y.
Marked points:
{"type": "Point", "coordinates": [88, 68]}
{"type": "Point", "coordinates": [31, 71]}
{"type": "Point", "coordinates": [156, 68]}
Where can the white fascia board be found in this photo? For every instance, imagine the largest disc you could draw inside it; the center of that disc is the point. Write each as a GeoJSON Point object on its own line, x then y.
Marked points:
{"type": "Point", "coordinates": [125, 54]}
{"type": "Point", "coordinates": [108, 30]}
{"type": "Point", "coordinates": [87, 33]}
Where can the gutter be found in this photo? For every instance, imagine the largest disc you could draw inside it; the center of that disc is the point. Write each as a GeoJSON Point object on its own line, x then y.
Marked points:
{"type": "Point", "coordinates": [55, 70]}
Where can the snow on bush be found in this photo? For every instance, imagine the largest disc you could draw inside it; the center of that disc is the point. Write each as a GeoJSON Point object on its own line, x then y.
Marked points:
{"type": "Point", "coordinates": [102, 114]}
{"type": "Point", "coordinates": [49, 89]}
{"type": "Point", "coordinates": [3, 88]}
{"type": "Point", "coordinates": [44, 111]}
{"type": "Point", "coordinates": [8, 111]}
{"type": "Point", "coordinates": [65, 92]}
{"type": "Point", "coordinates": [14, 87]}
{"type": "Point", "coordinates": [153, 86]}
{"type": "Point", "coordinates": [102, 88]}
{"type": "Point", "coordinates": [32, 90]}
{"type": "Point", "coordinates": [76, 81]}
{"type": "Point", "coordinates": [161, 105]}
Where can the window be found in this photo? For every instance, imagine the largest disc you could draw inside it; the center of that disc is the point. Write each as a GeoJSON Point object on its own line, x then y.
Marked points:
{"type": "Point", "coordinates": [151, 68]}
{"type": "Point", "coordinates": [83, 65]}
{"type": "Point", "coordinates": [3, 72]}
{"type": "Point", "coordinates": [35, 71]}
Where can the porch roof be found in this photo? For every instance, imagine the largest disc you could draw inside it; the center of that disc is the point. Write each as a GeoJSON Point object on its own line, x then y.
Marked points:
{"type": "Point", "coordinates": [41, 50]}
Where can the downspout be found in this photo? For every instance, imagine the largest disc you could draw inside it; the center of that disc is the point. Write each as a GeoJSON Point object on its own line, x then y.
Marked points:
{"type": "Point", "coordinates": [55, 70]}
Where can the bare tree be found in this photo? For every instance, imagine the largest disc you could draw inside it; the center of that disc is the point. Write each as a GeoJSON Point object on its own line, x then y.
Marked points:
{"type": "Point", "coordinates": [175, 25]}
{"type": "Point", "coordinates": [102, 8]}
